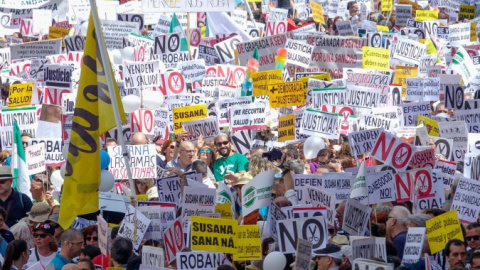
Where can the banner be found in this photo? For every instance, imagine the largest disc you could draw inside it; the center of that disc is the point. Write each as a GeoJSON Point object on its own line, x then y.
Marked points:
{"type": "Point", "coordinates": [257, 192]}
{"type": "Point", "coordinates": [207, 127]}
{"type": "Point", "coordinates": [286, 94]}
{"type": "Point", "coordinates": [298, 53]}
{"type": "Point", "coordinates": [196, 260]}
{"type": "Point", "coordinates": [245, 117]}
{"type": "Point", "coordinates": [142, 159]}
{"type": "Point", "coordinates": [36, 49]}
{"type": "Point", "coordinates": [188, 113]}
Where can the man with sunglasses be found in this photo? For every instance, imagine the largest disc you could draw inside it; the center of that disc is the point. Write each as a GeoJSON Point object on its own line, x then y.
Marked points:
{"type": "Point", "coordinates": [472, 238]}
{"type": "Point", "coordinates": [231, 165]}
{"type": "Point", "coordinates": [15, 203]}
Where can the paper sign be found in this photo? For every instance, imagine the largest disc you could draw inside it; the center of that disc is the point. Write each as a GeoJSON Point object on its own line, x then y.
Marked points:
{"type": "Point", "coordinates": [396, 154]}
{"type": "Point", "coordinates": [213, 234]}
{"type": "Point", "coordinates": [133, 216]}
{"type": "Point", "coordinates": [442, 229]}
{"type": "Point", "coordinates": [53, 153]}
{"type": "Point", "coordinates": [286, 94]}
{"type": "Point", "coordinates": [152, 256]}
{"type": "Point", "coordinates": [298, 53]}
{"type": "Point", "coordinates": [465, 200]}
{"type": "Point", "coordinates": [188, 113]}
{"type": "Point", "coordinates": [174, 241]}
{"type": "Point", "coordinates": [409, 51]}
{"type": "Point", "coordinates": [245, 117]}
{"type": "Point", "coordinates": [381, 187]}
{"type": "Point", "coordinates": [257, 192]}
{"type": "Point", "coordinates": [260, 80]}
{"type": "Point", "coordinates": [376, 58]}
{"type": "Point", "coordinates": [36, 49]}
{"type": "Point", "coordinates": [196, 260]}
{"type": "Point", "coordinates": [304, 249]}
{"type": "Point", "coordinates": [320, 198]}
{"type": "Point", "coordinates": [35, 157]}
{"type": "Point", "coordinates": [313, 229]}
{"type": "Point", "coordinates": [355, 218]}
{"type": "Point", "coordinates": [207, 127]}
{"type": "Point", "coordinates": [362, 142]}
{"type": "Point", "coordinates": [248, 243]}
{"type": "Point", "coordinates": [197, 202]}
{"type": "Point", "coordinates": [102, 235]}
{"type": "Point", "coordinates": [143, 161]}
{"type": "Point", "coordinates": [286, 127]}
{"type": "Point", "coordinates": [20, 95]}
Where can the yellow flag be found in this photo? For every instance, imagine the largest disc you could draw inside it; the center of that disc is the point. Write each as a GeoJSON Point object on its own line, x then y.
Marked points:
{"type": "Point", "coordinates": [93, 116]}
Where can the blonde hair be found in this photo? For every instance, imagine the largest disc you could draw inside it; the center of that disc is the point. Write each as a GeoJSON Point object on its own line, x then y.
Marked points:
{"type": "Point", "coordinates": [259, 164]}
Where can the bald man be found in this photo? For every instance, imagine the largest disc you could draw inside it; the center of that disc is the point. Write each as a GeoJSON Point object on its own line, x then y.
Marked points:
{"type": "Point", "coordinates": [140, 138]}
{"type": "Point", "coordinates": [186, 156]}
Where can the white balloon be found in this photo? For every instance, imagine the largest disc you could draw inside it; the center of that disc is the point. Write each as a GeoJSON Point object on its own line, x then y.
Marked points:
{"type": "Point", "coordinates": [115, 57]}
{"type": "Point", "coordinates": [56, 178]}
{"type": "Point", "coordinates": [152, 99]}
{"type": "Point", "coordinates": [131, 103]}
{"type": "Point", "coordinates": [107, 181]}
{"type": "Point", "coordinates": [62, 170]}
{"type": "Point", "coordinates": [274, 261]}
{"type": "Point", "coordinates": [312, 145]}
{"type": "Point", "coordinates": [83, 28]}
{"type": "Point", "coordinates": [127, 53]}
{"type": "Point", "coordinates": [65, 151]}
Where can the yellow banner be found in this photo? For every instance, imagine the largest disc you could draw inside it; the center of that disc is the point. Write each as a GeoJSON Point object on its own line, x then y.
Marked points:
{"type": "Point", "coordinates": [467, 12]}
{"type": "Point", "coordinates": [473, 31]}
{"type": "Point", "coordinates": [382, 28]}
{"type": "Point", "coordinates": [430, 124]}
{"type": "Point", "coordinates": [426, 15]}
{"type": "Point", "coordinates": [20, 95]}
{"type": "Point", "coordinates": [401, 75]}
{"type": "Point", "coordinates": [260, 80]}
{"type": "Point", "coordinates": [317, 12]}
{"type": "Point", "coordinates": [248, 243]}
{"type": "Point", "coordinates": [213, 234]}
{"type": "Point", "coordinates": [57, 32]}
{"type": "Point", "coordinates": [188, 113]}
{"type": "Point", "coordinates": [387, 5]}
{"type": "Point", "coordinates": [287, 94]}
{"type": "Point", "coordinates": [80, 189]}
{"type": "Point", "coordinates": [442, 229]}
{"type": "Point", "coordinates": [323, 76]}
{"type": "Point", "coordinates": [376, 58]}
{"type": "Point", "coordinates": [286, 127]}
{"type": "Point", "coordinates": [225, 210]}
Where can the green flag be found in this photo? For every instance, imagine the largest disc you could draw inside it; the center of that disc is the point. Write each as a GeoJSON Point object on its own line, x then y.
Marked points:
{"type": "Point", "coordinates": [176, 27]}
{"type": "Point", "coordinates": [21, 182]}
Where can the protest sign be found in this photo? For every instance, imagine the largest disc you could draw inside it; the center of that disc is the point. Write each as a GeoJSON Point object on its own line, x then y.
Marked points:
{"type": "Point", "coordinates": [355, 218]}
{"type": "Point", "coordinates": [141, 75]}
{"type": "Point", "coordinates": [304, 250]}
{"type": "Point", "coordinates": [245, 117]}
{"type": "Point", "coordinates": [115, 31]}
{"type": "Point", "coordinates": [397, 154]}
{"type": "Point", "coordinates": [59, 76]}
{"type": "Point", "coordinates": [376, 58]}
{"type": "Point", "coordinates": [462, 64]}
{"type": "Point", "coordinates": [226, 49]}
{"type": "Point", "coordinates": [381, 187]}
{"type": "Point", "coordinates": [161, 216]}
{"type": "Point", "coordinates": [409, 51]}
{"type": "Point", "coordinates": [134, 218]}
{"type": "Point", "coordinates": [320, 198]}
{"type": "Point", "coordinates": [363, 247]}
{"type": "Point", "coordinates": [331, 54]}
{"type": "Point", "coordinates": [423, 158]}
{"type": "Point", "coordinates": [313, 229]}
{"type": "Point", "coordinates": [331, 96]}
{"type": "Point", "coordinates": [197, 202]}
{"type": "Point", "coordinates": [27, 121]}
{"type": "Point", "coordinates": [286, 127]}
{"type": "Point", "coordinates": [193, 70]}
{"type": "Point", "coordinates": [364, 264]}
{"type": "Point", "coordinates": [411, 111]}
{"type": "Point", "coordinates": [322, 124]}
{"type": "Point", "coordinates": [458, 132]}
{"type": "Point", "coordinates": [36, 49]}
{"type": "Point", "coordinates": [298, 53]}
{"type": "Point", "coordinates": [74, 43]}
{"type": "Point", "coordinates": [459, 34]}
{"type": "Point", "coordinates": [363, 97]}
{"type": "Point", "coordinates": [152, 256]}
{"type": "Point", "coordinates": [260, 80]}
{"type": "Point", "coordinates": [196, 260]}
{"type": "Point", "coordinates": [257, 192]}
{"type": "Point", "coordinates": [188, 113]}
{"type": "Point", "coordinates": [169, 189]}
{"type": "Point", "coordinates": [102, 234]}
{"type": "Point", "coordinates": [345, 28]}
{"type": "Point", "coordinates": [248, 243]}
{"type": "Point", "coordinates": [471, 169]}
{"type": "Point", "coordinates": [20, 95]}
{"type": "Point", "coordinates": [187, 6]}
{"type": "Point", "coordinates": [466, 200]}
{"type": "Point", "coordinates": [286, 94]}
{"type": "Point", "coordinates": [142, 160]}
{"type": "Point", "coordinates": [442, 229]}
{"type": "Point", "coordinates": [362, 142]}
{"type": "Point", "coordinates": [275, 28]}
{"type": "Point", "coordinates": [413, 245]}
{"type": "Point", "coordinates": [213, 234]}
{"type": "Point", "coordinates": [53, 150]}
{"type": "Point", "coordinates": [174, 242]}
{"type": "Point", "coordinates": [448, 171]}
{"type": "Point", "coordinates": [402, 14]}
{"type": "Point", "coordinates": [207, 127]}
{"type": "Point", "coordinates": [35, 158]}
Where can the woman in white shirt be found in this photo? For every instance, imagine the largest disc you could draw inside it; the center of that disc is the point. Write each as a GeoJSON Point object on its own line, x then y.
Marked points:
{"type": "Point", "coordinates": [45, 246]}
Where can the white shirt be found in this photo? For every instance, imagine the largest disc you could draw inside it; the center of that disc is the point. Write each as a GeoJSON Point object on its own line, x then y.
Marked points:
{"type": "Point", "coordinates": [32, 259]}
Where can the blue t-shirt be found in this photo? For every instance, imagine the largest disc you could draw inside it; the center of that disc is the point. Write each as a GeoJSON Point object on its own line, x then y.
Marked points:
{"type": "Point", "coordinates": [59, 261]}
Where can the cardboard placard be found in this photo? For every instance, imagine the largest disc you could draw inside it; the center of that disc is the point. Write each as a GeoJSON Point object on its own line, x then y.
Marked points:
{"type": "Point", "coordinates": [143, 161]}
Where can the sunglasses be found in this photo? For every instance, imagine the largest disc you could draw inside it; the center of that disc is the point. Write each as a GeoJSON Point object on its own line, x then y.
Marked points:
{"type": "Point", "coordinates": [205, 151]}
{"type": "Point", "coordinates": [172, 146]}
{"type": "Point", "coordinates": [3, 181]}
{"type": "Point", "coordinates": [472, 238]}
{"type": "Point", "coordinates": [90, 238]}
{"type": "Point", "coordinates": [219, 144]}
{"type": "Point", "coordinates": [39, 235]}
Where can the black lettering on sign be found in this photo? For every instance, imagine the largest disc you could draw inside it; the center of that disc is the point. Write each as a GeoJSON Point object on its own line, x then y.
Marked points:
{"type": "Point", "coordinates": [132, 18]}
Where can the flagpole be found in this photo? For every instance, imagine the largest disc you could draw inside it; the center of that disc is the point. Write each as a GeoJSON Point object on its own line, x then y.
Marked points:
{"type": "Point", "coordinates": [251, 14]}
{"type": "Point", "coordinates": [113, 96]}
{"type": "Point", "coordinates": [188, 35]}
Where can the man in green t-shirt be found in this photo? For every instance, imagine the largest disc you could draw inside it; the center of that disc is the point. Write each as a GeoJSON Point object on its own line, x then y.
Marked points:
{"type": "Point", "coordinates": [231, 165]}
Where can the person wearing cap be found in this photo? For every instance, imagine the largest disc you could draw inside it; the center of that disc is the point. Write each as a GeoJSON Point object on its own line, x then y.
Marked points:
{"type": "Point", "coordinates": [23, 229]}
{"type": "Point", "coordinates": [45, 245]}
{"type": "Point", "coordinates": [15, 203]}
{"type": "Point", "coordinates": [243, 180]}
{"type": "Point", "coordinates": [230, 165]}
{"type": "Point", "coordinates": [72, 245]}
{"type": "Point", "coordinates": [329, 257]}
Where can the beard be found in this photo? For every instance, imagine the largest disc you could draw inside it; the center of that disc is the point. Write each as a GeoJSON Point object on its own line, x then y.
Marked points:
{"type": "Point", "coordinates": [227, 152]}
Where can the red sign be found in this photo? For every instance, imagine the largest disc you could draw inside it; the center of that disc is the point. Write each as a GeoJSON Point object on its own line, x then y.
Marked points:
{"type": "Point", "coordinates": [142, 121]}
{"type": "Point", "coordinates": [396, 154]}
{"type": "Point", "coordinates": [173, 238]}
